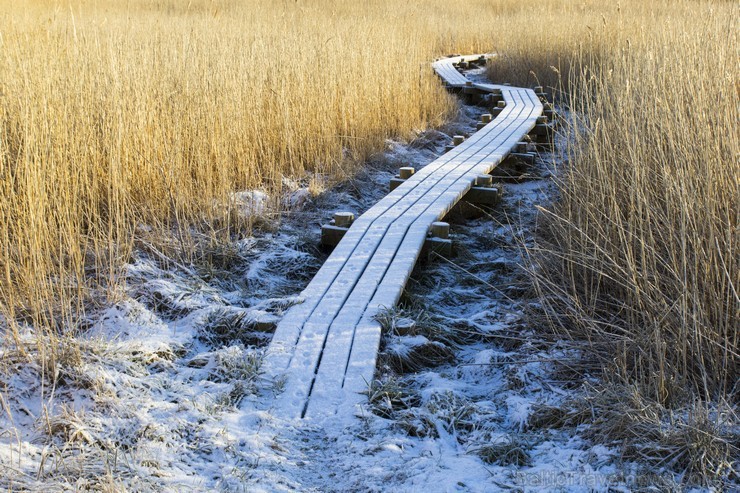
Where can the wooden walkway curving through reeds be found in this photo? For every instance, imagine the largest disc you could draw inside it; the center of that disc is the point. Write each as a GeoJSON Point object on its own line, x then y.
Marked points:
{"type": "Point", "coordinates": [324, 350]}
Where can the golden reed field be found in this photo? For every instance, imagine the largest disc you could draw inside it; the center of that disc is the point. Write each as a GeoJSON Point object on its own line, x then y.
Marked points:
{"type": "Point", "coordinates": [150, 112]}
{"type": "Point", "coordinates": [135, 120]}
{"type": "Point", "coordinates": [641, 254]}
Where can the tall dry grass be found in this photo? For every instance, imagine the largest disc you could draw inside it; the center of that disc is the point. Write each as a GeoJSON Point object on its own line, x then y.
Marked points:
{"type": "Point", "coordinates": [639, 257]}
{"type": "Point", "coordinates": [649, 220]}
{"type": "Point", "coordinates": [120, 120]}
{"type": "Point", "coordinates": [151, 113]}
{"type": "Point", "coordinates": [120, 114]}
{"type": "Point", "coordinates": [642, 257]}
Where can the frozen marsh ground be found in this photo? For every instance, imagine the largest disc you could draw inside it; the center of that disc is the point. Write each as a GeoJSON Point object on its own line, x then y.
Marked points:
{"type": "Point", "coordinates": [162, 392]}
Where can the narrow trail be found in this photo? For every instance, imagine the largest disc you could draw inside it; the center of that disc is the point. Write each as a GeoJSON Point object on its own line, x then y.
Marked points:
{"type": "Point", "coordinates": [324, 350]}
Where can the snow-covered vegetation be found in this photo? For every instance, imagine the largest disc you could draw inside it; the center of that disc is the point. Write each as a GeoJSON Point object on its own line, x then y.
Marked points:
{"type": "Point", "coordinates": [164, 170]}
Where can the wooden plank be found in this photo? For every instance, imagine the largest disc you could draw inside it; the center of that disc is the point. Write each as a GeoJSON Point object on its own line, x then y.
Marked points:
{"type": "Point", "coordinates": [332, 370]}
{"type": "Point", "coordinates": [311, 343]}
{"type": "Point", "coordinates": [362, 362]}
{"type": "Point", "coordinates": [404, 258]}
{"type": "Point", "coordinates": [286, 336]}
{"type": "Point", "coordinates": [327, 346]}
{"type": "Point", "coordinates": [449, 73]}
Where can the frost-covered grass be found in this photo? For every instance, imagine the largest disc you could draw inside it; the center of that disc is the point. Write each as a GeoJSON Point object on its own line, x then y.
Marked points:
{"type": "Point", "coordinates": [162, 390]}
{"type": "Point", "coordinates": [136, 304]}
{"type": "Point", "coordinates": [638, 259]}
{"type": "Point", "coordinates": [140, 400]}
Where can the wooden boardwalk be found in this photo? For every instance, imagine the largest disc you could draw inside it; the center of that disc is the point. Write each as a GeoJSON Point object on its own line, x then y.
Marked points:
{"type": "Point", "coordinates": [324, 350]}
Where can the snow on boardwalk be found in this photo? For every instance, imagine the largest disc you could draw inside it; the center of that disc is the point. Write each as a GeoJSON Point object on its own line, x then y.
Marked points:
{"type": "Point", "coordinates": [324, 350]}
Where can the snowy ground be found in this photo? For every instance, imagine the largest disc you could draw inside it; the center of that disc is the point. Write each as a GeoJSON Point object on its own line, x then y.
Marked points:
{"type": "Point", "coordinates": [162, 393]}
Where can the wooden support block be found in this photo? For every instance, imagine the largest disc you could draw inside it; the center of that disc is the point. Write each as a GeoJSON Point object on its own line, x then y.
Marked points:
{"type": "Point", "coordinates": [457, 140]}
{"type": "Point", "coordinates": [471, 90]}
{"type": "Point", "coordinates": [449, 147]}
{"type": "Point", "coordinates": [541, 119]}
{"type": "Point", "coordinates": [521, 147]}
{"type": "Point", "coordinates": [485, 119]}
{"type": "Point", "coordinates": [496, 112]}
{"type": "Point", "coordinates": [440, 246]}
{"type": "Point", "coordinates": [483, 195]}
{"type": "Point", "coordinates": [484, 181]}
{"type": "Point", "coordinates": [541, 129]}
{"type": "Point", "coordinates": [550, 114]}
{"type": "Point", "coordinates": [542, 136]}
{"type": "Point", "coordinates": [438, 240]}
{"type": "Point", "coordinates": [520, 158]}
{"type": "Point", "coordinates": [395, 183]}
{"type": "Point", "coordinates": [539, 89]}
{"type": "Point", "coordinates": [439, 229]}
{"type": "Point", "coordinates": [343, 219]}
{"type": "Point", "coordinates": [331, 235]}
{"type": "Point", "coordinates": [501, 104]}
{"type": "Point", "coordinates": [405, 172]}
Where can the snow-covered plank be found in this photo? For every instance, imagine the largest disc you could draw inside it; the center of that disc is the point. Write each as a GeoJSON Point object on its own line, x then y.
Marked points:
{"type": "Point", "coordinates": [312, 345]}
{"type": "Point", "coordinates": [355, 243]}
{"type": "Point", "coordinates": [325, 348]}
{"type": "Point", "coordinates": [446, 70]}
{"type": "Point", "coordinates": [331, 367]}
{"type": "Point", "coordinates": [361, 365]}
{"type": "Point", "coordinates": [324, 396]}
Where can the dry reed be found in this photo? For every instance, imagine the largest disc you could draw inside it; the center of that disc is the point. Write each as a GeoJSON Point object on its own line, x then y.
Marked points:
{"type": "Point", "coordinates": [645, 256]}
{"type": "Point", "coordinates": [639, 256]}
{"type": "Point", "coordinates": [124, 119]}
{"type": "Point", "coordinates": [117, 116]}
